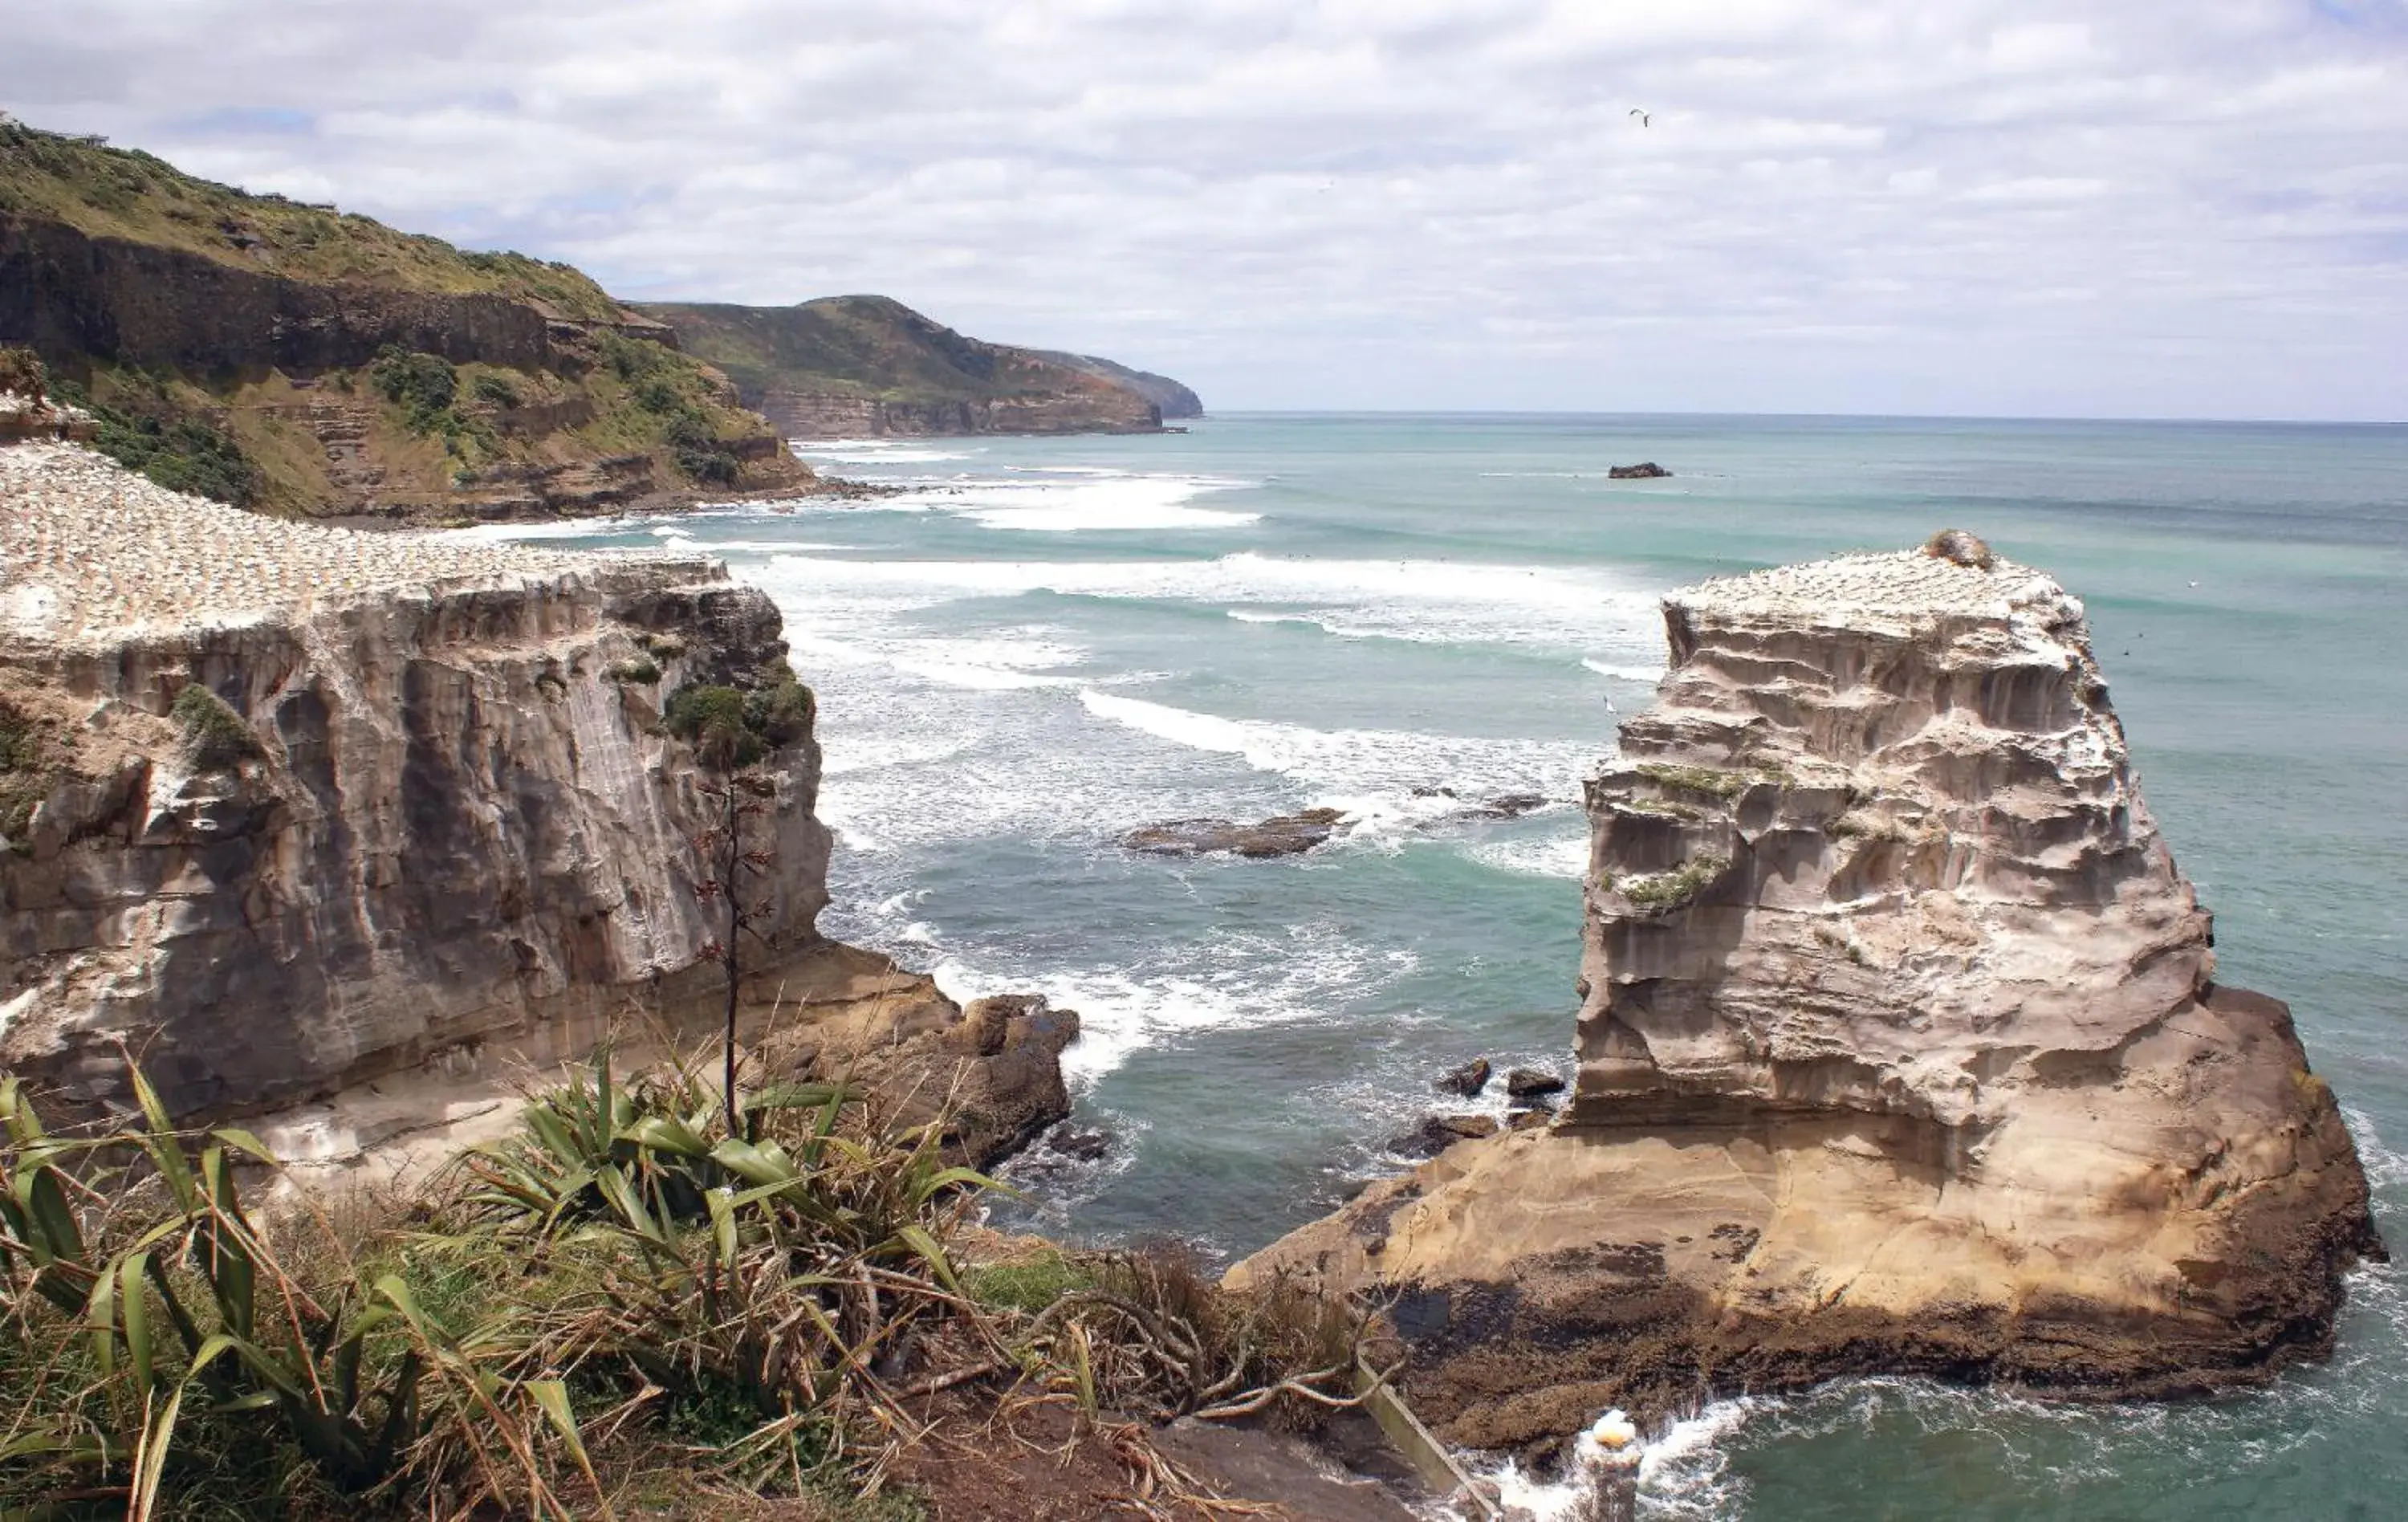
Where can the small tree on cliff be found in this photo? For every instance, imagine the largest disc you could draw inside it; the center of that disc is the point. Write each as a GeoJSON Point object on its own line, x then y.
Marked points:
{"type": "Point", "coordinates": [713, 720]}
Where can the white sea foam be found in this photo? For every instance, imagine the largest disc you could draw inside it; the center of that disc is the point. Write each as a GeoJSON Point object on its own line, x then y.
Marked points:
{"type": "Point", "coordinates": [1086, 503]}
{"type": "Point", "coordinates": [1369, 773]}
{"type": "Point", "coordinates": [1648, 674]}
{"type": "Point", "coordinates": [1563, 857]}
{"type": "Point", "coordinates": [1682, 1472]}
{"type": "Point", "coordinates": [1223, 980]}
{"type": "Point", "coordinates": [1421, 600]}
{"type": "Point", "coordinates": [874, 452]}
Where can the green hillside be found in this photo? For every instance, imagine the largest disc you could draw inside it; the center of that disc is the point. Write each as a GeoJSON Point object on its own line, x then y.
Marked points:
{"type": "Point", "coordinates": [303, 360]}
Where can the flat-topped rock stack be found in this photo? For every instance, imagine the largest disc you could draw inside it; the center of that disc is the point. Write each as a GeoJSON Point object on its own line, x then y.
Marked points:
{"type": "Point", "coordinates": [1900, 1049]}
{"type": "Point", "coordinates": [447, 816]}
{"type": "Point", "coordinates": [90, 552]}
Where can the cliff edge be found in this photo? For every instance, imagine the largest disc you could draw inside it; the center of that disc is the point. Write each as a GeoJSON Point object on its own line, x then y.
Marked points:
{"type": "Point", "coordinates": [1900, 1049]}
{"type": "Point", "coordinates": [355, 830]}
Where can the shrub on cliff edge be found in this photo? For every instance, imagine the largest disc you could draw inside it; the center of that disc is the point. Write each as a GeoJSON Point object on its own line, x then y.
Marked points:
{"type": "Point", "coordinates": [20, 371]}
{"type": "Point", "coordinates": [711, 720]}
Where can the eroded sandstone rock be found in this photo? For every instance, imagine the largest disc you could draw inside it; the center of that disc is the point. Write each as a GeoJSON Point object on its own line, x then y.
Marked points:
{"type": "Point", "coordinates": [1900, 1051]}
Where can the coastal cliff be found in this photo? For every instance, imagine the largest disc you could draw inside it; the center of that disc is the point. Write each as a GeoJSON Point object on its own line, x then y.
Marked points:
{"type": "Point", "coordinates": [1902, 1050]}
{"type": "Point", "coordinates": [311, 362]}
{"type": "Point", "coordinates": [868, 367]}
{"type": "Point", "coordinates": [375, 823]}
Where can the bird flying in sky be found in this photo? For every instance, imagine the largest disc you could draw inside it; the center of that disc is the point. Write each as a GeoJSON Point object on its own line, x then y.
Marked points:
{"type": "Point", "coordinates": [1644, 120]}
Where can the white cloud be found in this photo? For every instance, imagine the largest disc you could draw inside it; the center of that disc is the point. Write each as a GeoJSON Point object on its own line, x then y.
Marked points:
{"type": "Point", "coordinates": [2043, 206]}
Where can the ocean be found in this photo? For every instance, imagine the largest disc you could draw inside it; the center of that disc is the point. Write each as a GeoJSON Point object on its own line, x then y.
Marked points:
{"type": "Point", "coordinates": [1044, 643]}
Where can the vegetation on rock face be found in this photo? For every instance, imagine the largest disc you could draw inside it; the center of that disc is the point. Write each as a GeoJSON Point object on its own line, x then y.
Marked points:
{"type": "Point", "coordinates": [215, 736]}
{"type": "Point", "coordinates": [24, 781]}
{"type": "Point", "coordinates": [1707, 779]}
{"type": "Point", "coordinates": [145, 426]}
{"type": "Point", "coordinates": [1661, 891]}
{"type": "Point", "coordinates": [423, 386]}
{"type": "Point", "coordinates": [20, 371]}
{"type": "Point", "coordinates": [732, 729]}
{"type": "Point", "coordinates": [669, 387]}
{"type": "Point", "coordinates": [711, 720]}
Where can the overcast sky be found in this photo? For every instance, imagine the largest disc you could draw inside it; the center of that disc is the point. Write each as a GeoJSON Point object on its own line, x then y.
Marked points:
{"type": "Point", "coordinates": [2151, 207]}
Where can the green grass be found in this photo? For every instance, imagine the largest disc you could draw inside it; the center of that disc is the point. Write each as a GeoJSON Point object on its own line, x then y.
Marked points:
{"type": "Point", "coordinates": [1028, 1285]}
{"type": "Point", "coordinates": [122, 193]}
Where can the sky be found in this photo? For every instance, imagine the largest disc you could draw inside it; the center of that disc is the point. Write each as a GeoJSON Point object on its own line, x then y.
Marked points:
{"type": "Point", "coordinates": [2049, 207]}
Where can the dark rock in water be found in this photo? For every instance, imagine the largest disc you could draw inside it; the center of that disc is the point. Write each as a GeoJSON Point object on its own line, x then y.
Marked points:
{"type": "Point", "coordinates": [1433, 792]}
{"type": "Point", "coordinates": [1510, 805]}
{"type": "Point", "coordinates": [1645, 470]}
{"type": "Point", "coordinates": [1530, 1083]}
{"type": "Point", "coordinates": [1439, 1132]}
{"type": "Point", "coordinates": [1468, 1080]}
{"type": "Point", "coordinates": [1285, 835]}
{"type": "Point", "coordinates": [1086, 1146]}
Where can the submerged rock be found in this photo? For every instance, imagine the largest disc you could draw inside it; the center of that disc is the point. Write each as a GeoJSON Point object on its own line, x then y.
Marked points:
{"type": "Point", "coordinates": [1468, 1080]}
{"type": "Point", "coordinates": [1284, 835]}
{"type": "Point", "coordinates": [1645, 470]}
{"type": "Point", "coordinates": [1509, 806]}
{"type": "Point", "coordinates": [1439, 1132]}
{"type": "Point", "coordinates": [1533, 1083]}
{"type": "Point", "coordinates": [1901, 1051]}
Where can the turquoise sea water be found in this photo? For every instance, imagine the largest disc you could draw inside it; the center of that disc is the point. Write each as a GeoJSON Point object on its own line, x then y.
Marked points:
{"type": "Point", "coordinates": [1046, 643]}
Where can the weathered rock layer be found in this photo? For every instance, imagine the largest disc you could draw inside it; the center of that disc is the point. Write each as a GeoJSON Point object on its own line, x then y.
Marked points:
{"type": "Point", "coordinates": [1900, 1049]}
{"type": "Point", "coordinates": [439, 837]}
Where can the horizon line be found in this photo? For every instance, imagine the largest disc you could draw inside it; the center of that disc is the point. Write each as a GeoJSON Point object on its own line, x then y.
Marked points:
{"type": "Point", "coordinates": [1209, 413]}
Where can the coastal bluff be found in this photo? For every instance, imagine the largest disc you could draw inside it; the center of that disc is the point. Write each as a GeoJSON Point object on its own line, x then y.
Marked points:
{"type": "Point", "coordinates": [868, 367]}
{"type": "Point", "coordinates": [355, 830]}
{"type": "Point", "coordinates": [1900, 1051]}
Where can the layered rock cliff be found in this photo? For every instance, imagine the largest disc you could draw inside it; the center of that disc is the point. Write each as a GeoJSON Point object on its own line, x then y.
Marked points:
{"type": "Point", "coordinates": [1174, 399]}
{"type": "Point", "coordinates": [1900, 1049]}
{"type": "Point", "coordinates": [371, 822]}
{"type": "Point", "coordinates": [855, 366]}
{"type": "Point", "coordinates": [325, 364]}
